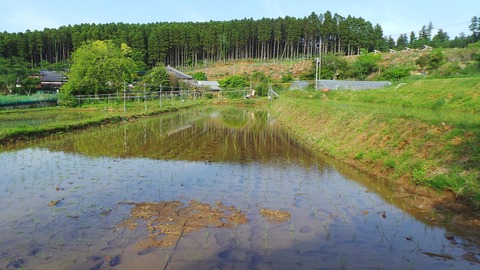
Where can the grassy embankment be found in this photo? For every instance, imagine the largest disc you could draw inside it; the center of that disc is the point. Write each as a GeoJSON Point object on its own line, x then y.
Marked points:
{"type": "Point", "coordinates": [425, 133]}
{"type": "Point", "coordinates": [31, 123]}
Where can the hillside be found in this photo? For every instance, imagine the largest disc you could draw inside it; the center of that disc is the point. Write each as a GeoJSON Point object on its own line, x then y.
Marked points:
{"type": "Point", "coordinates": [277, 69]}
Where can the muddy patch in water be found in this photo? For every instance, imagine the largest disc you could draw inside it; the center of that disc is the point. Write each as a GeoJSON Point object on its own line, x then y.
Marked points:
{"type": "Point", "coordinates": [275, 216]}
{"type": "Point", "coordinates": [166, 222]}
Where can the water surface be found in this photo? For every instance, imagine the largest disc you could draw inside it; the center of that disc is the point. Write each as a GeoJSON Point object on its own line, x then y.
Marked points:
{"type": "Point", "coordinates": [64, 202]}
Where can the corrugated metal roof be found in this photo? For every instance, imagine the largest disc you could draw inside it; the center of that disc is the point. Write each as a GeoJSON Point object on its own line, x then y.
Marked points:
{"type": "Point", "coordinates": [351, 85]}
{"type": "Point", "coordinates": [179, 74]}
{"type": "Point", "coordinates": [212, 85]}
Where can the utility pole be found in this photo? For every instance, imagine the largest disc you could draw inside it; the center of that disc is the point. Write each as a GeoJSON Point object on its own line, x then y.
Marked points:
{"type": "Point", "coordinates": [318, 65]}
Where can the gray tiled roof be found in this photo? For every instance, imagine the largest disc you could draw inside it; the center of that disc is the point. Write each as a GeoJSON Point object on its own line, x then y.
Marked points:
{"type": "Point", "coordinates": [51, 76]}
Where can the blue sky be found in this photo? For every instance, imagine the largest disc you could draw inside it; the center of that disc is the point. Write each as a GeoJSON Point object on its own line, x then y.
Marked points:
{"type": "Point", "coordinates": [395, 16]}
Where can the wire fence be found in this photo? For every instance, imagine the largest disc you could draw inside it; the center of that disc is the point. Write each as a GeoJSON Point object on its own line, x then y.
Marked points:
{"type": "Point", "coordinates": [166, 95]}
{"type": "Point", "coordinates": [351, 85]}
{"type": "Point", "coordinates": [129, 93]}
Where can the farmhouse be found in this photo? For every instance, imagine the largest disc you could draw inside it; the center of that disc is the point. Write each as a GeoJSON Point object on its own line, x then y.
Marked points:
{"type": "Point", "coordinates": [189, 80]}
{"type": "Point", "coordinates": [180, 75]}
{"type": "Point", "coordinates": [50, 79]}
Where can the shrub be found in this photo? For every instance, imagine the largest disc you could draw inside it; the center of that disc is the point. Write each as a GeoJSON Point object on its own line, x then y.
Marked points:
{"type": "Point", "coordinates": [365, 65]}
{"type": "Point", "coordinates": [232, 82]}
{"type": "Point", "coordinates": [448, 69]}
{"type": "Point", "coordinates": [431, 61]}
{"type": "Point", "coordinates": [334, 66]}
{"type": "Point", "coordinates": [396, 73]}
{"type": "Point", "coordinates": [200, 76]}
{"type": "Point", "coordinates": [287, 78]}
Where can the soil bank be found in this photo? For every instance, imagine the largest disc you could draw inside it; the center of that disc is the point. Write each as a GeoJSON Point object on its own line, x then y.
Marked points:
{"type": "Point", "coordinates": [403, 153]}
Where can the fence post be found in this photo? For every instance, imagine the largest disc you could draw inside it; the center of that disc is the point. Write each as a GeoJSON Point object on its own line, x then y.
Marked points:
{"type": "Point", "coordinates": [124, 97]}
{"type": "Point", "coordinates": [145, 96]}
{"type": "Point", "coordinates": [160, 96]}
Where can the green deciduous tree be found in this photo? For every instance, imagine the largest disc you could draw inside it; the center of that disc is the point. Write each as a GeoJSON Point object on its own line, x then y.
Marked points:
{"type": "Point", "coordinates": [157, 77]}
{"type": "Point", "coordinates": [99, 67]}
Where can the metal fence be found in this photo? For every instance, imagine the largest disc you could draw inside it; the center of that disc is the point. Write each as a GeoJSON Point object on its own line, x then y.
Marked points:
{"type": "Point", "coordinates": [135, 95]}
{"type": "Point", "coordinates": [351, 85]}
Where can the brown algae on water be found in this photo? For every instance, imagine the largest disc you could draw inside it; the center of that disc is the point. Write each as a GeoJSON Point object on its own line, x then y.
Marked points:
{"type": "Point", "coordinates": [168, 221]}
{"type": "Point", "coordinates": [275, 216]}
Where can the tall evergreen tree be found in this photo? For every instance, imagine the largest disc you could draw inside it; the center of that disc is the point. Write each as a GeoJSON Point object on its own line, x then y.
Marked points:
{"type": "Point", "coordinates": [441, 39]}
{"type": "Point", "coordinates": [402, 41]}
{"type": "Point", "coordinates": [474, 27]}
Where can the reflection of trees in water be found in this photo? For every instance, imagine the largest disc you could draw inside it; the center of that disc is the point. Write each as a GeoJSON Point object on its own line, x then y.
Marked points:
{"type": "Point", "coordinates": [193, 136]}
{"type": "Point", "coordinates": [253, 120]}
{"type": "Point", "coordinates": [234, 118]}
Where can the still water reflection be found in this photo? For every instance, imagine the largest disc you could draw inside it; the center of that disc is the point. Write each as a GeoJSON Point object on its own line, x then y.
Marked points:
{"type": "Point", "coordinates": [203, 180]}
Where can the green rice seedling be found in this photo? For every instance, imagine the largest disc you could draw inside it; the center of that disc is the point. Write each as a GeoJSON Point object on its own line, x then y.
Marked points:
{"type": "Point", "coordinates": [206, 239]}
{"type": "Point", "coordinates": [265, 237]}
{"type": "Point", "coordinates": [326, 227]}
{"type": "Point", "coordinates": [316, 214]}
{"type": "Point", "coordinates": [292, 230]}
{"type": "Point", "coordinates": [343, 262]}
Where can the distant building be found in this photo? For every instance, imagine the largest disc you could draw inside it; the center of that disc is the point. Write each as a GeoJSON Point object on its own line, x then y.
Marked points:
{"type": "Point", "coordinates": [209, 85]}
{"type": "Point", "coordinates": [50, 80]}
{"type": "Point", "coordinates": [189, 80]}
{"type": "Point", "coordinates": [351, 85]}
{"type": "Point", "coordinates": [180, 75]}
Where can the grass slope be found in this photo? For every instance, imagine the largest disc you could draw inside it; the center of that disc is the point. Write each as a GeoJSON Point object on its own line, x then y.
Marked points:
{"type": "Point", "coordinates": [423, 133]}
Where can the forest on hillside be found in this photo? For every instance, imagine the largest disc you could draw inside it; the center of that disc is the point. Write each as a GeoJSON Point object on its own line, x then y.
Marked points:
{"type": "Point", "coordinates": [196, 43]}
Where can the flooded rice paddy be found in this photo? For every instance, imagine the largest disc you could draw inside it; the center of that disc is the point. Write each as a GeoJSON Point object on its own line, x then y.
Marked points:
{"type": "Point", "coordinates": [17, 118]}
{"type": "Point", "coordinates": [204, 190]}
